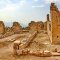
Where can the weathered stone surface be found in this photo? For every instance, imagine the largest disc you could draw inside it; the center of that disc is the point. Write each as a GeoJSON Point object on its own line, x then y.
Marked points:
{"type": "Point", "coordinates": [47, 54]}
{"type": "Point", "coordinates": [19, 52]}
{"type": "Point", "coordinates": [16, 46]}
{"type": "Point", "coordinates": [54, 24]}
{"type": "Point", "coordinates": [41, 53]}
{"type": "Point", "coordinates": [24, 42]}
{"type": "Point", "coordinates": [25, 51]}
{"type": "Point", "coordinates": [2, 27]}
{"type": "Point", "coordinates": [45, 25]}
{"type": "Point", "coordinates": [55, 54]}
{"type": "Point", "coordinates": [16, 27]}
{"type": "Point", "coordinates": [36, 26]}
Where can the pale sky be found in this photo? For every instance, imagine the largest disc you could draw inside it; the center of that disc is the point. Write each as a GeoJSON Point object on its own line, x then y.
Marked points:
{"type": "Point", "coordinates": [25, 11]}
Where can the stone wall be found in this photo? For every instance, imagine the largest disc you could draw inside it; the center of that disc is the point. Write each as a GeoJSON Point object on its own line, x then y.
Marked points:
{"type": "Point", "coordinates": [16, 28]}
{"type": "Point", "coordinates": [2, 27]}
{"type": "Point", "coordinates": [45, 26]}
{"type": "Point", "coordinates": [36, 26]}
{"type": "Point", "coordinates": [55, 24]}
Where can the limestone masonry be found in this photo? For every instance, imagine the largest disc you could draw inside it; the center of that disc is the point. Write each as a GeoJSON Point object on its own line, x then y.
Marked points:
{"type": "Point", "coordinates": [16, 27]}
{"type": "Point", "coordinates": [53, 24]}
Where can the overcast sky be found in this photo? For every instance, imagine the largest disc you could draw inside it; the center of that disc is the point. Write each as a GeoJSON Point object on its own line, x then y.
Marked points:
{"type": "Point", "coordinates": [25, 11]}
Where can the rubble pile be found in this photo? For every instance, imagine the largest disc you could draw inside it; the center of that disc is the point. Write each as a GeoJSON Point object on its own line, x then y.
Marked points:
{"type": "Point", "coordinates": [19, 45]}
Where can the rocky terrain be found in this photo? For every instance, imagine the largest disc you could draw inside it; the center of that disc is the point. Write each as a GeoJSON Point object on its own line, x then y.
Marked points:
{"type": "Point", "coordinates": [40, 42]}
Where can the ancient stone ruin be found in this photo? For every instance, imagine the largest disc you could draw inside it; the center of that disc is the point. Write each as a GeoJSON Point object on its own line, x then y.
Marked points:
{"type": "Point", "coordinates": [19, 45]}
{"type": "Point", "coordinates": [37, 39]}
{"type": "Point", "coordinates": [45, 26]}
{"type": "Point", "coordinates": [53, 24]}
{"type": "Point", "coordinates": [16, 28]}
{"type": "Point", "coordinates": [36, 26]}
{"type": "Point", "coordinates": [8, 31]}
{"type": "Point", "coordinates": [2, 27]}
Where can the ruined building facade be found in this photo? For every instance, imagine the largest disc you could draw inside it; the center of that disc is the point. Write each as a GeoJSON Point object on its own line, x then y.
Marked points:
{"type": "Point", "coordinates": [53, 25]}
{"type": "Point", "coordinates": [36, 26]}
{"type": "Point", "coordinates": [16, 28]}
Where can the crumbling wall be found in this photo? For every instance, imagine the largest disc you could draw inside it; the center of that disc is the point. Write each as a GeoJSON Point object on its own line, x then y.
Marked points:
{"type": "Point", "coordinates": [55, 24]}
{"type": "Point", "coordinates": [45, 26]}
{"type": "Point", "coordinates": [2, 27]}
{"type": "Point", "coordinates": [36, 26]}
{"type": "Point", "coordinates": [16, 28]}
